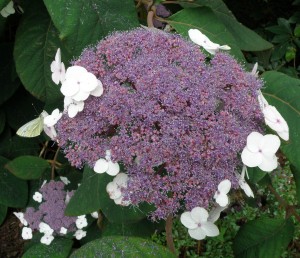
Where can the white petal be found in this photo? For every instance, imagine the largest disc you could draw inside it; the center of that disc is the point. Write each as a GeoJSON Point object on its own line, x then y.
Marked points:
{"type": "Point", "coordinates": [95, 215]}
{"type": "Point", "coordinates": [253, 141]}
{"type": "Point", "coordinates": [63, 231]}
{"type": "Point", "coordinates": [50, 131]}
{"type": "Point", "coordinates": [81, 96]}
{"type": "Point", "coordinates": [268, 163]}
{"type": "Point", "coordinates": [187, 221]}
{"type": "Point", "coordinates": [101, 166]}
{"type": "Point", "coordinates": [75, 71]}
{"type": "Point", "coordinates": [254, 70]}
{"type": "Point", "coordinates": [79, 234]}
{"type": "Point", "coordinates": [55, 77]}
{"type": "Point", "coordinates": [47, 239]}
{"type": "Point", "coordinates": [224, 186]}
{"type": "Point", "coordinates": [90, 82]}
{"type": "Point", "coordinates": [72, 110]}
{"type": "Point", "coordinates": [251, 159]}
{"type": "Point", "coordinates": [284, 135]}
{"type": "Point", "coordinates": [113, 168]}
{"type": "Point", "coordinates": [246, 188]}
{"type": "Point", "coordinates": [67, 101]}
{"type": "Point", "coordinates": [121, 180]}
{"type": "Point", "coordinates": [263, 103]}
{"type": "Point", "coordinates": [26, 233]}
{"type": "Point", "coordinates": [98, 91]}
{"type": "Point", "coordinates": [62, 72]}
{"type": "Point", "coordinates": [113, 191]}
{"type": "Point", "coordinates": [120, 201]}
{"type": "Point", "coordinates": [210, 229]}
{"type": "Point", "coordinates": [65, 180]}
{"type": "Point", "coordinates": [214, 214]}
{"type": "Point", "coordinates": [197, 36]}
{"type": "Point", "coordinates": [197, 233]}
{"type": "Point", "coordinates": [222, 199]}
{"type": "Point", "coordinates": [199, 214]}
{"type": "Point", "coordinates": [69, 88]}
{"type": "Point", "coordinates": [58, 56]}
{"type": "Point", "coordinates": [225, 47]}
{"type": "Point", "coordinates": [270, 144]}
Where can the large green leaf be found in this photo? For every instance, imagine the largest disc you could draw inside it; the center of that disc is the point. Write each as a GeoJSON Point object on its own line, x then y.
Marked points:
{"type": "Point", "coordinates": [35, 47]}
{"type": "Point", "coordinates": [283, 92]}
{"type": "Point", "coordinates": [82, 23]}
{"type": "Point", "coordinates": [91, 196]}
{"type": "Point", "coordinates": [27, 167]}
{"type": "Point", "coordinates": [207, 22]}
{"type": "Point", "coordinates": [13, 191]}
{"type": "Point", "coordinates": [59, 248]}
{"type": "Point", "coordinates": [122, 247]}
{"type": "Point", "coordinates": [8, 78]}
{"type": "Point", "coordinates": [3, 3]}
{"type": "Point", "coordinates": [246, 39]}
{"type": "Point", "coordinates": [263, 238]}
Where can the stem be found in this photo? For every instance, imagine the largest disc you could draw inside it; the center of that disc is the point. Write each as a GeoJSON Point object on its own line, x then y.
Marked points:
{"type": "Point", "coordinates": [53, 164]}
{"type": "Point", "coordinates": [150, 19]}
{"type": "Point", "coordinates": [169, 236]}
{"type": "Point", "coordinates": [290, 209]}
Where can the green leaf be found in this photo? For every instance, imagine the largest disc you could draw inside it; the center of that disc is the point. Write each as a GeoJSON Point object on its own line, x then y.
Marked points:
{"type": "Point", "coordinates": [27, 167]}
{"type": "Point", "coordinates": [13, 191]}
{"type": "Point", "coordinates": [2, 120]}
{"type": "Point", "coordinates": [256, 174]}
{"type": "Point", "coordinates": [297, 31]}
{"type": "Point", "coordinates": [35, 47]}
{"type": "Point", "coordinates": [3, 212]}
{"type": "Point", "coordinates": [8, 78]}
{"type": "Point", "coordinates": [245, 38]}
{"type": "Point", "coordinates": [82, 23]}
{"type": "Point", "coordinates": [3, 3]}
{"type": "Point", "coordinates": [118, 246]}
{"type": "Point", "coordinates": [91, 196]}
{"type": "Point", "coordinates": [296, 175]}
{"type": "Point", "coordinates": [208, 23]}
{"type": "Point", "coordinates": [283, 23]}
{"type": "Point", "coordinates": [290, 54]}
{"type": "Point", "coordinates": [263, 237]}
{"type": "Point", "coordinates": [59, 248]}
{"type": "Point", "coordinates": [283, 92]}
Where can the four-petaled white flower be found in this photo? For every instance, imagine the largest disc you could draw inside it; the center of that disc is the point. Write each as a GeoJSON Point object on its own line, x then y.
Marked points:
{"type": "Point", "coordinates": [8, 10]}
{"type": "Point", "coordinates": [95, 215]}
{"type": "Point", "coordinates": [114, 189]}
{"type": "Point", "coordinates": [20, 216]}
{"type": "Point", "coordinates": [106, 165]}
{"type": "Point", "coordinates": [221, 194]}
{"type": "Point", "coordinates": [81, 222]}
{"type": "Point", "coordinates": [260, 151]}
{"type": "Point", "coordinates": [38, 197]}
{"type": "Point", "coordinates": [63, 231]}
{"type": "Point", "coordinates": [198, 225]}
{"type": "Point", "coordinates": [200, 39]}
{"type": "Point", "coordinates": [243, 184]}
{"type": "Point", "coordinates": [52, 119]}
{"type": "Point", "coordinates": [26, 233]}
{"type": "Point", "coordinates": [79, 234]}
{"type": "Point", "coordinates": [65, 180]}
{"type": "Point", "coordinates": [58, 69]}
{"type": "Point", "coordinates": [45, 228]}
{"type": "Point", "coordinates": [46, 239]}
{"type": "Point", "coordinates": [276, 122]}
{"type": "Point", "coordinates": [78, 83]}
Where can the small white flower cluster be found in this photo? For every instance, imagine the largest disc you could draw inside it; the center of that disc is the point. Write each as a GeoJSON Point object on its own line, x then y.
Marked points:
{"type": "Point", "coordinates": [114, 189]}
{"type": "Point", "coordinates": [77, 85]}
{"type": "Point", "coordinates": [106, 165]}
{"type": "Point", "coordinates": [81, 222]}
{"type": "Point", "coordinates": [200, 39]}
{"type": "Point", "coordinates": [8, 10]}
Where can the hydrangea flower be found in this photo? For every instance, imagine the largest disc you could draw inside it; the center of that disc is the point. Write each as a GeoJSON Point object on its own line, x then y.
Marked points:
{"type": "Point", "coordinates": [52, 119]}
{"type": "Point", "coordinates": [221, 194]}
{"type": "Point", "coordinates": [81, 222]}
{"type": "Point", "coordinates": [260, 151]}
{"type": "Point", "coordinates": [114, 189]}
{"type": "Point", "coordinates": [63, 230]}
{"type": "Point", "coordinates": [38, 197]}
{"type": "Point", "coordinates": [79, 234]}
{"type": "Point", "coordinates": [58, 69]}
{"type": "Point", "coordinates": [149, 112]}
{"type": "Point", "coordinates": [47, 239]}
{"type": "Point", "coordinates": [26, 233]}
{"type": "Point", "coordinates": [95, 215]}
{"type": "Point", "coordinates": [106, 165]}
{"type": "Point", "coordinates": [198, 225]}
{"type": "Point", "coordinates": [45, 228]}
{"type": "Point", "coordinates": [200, 39]}
{"type": "Point", "coordinates": [72, 106]}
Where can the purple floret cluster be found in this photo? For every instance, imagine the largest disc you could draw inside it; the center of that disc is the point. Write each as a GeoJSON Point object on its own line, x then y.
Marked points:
{"type": "Point", "coordinates": [51, 210]}
{"type": "Point", "coordinates": [176, 120]}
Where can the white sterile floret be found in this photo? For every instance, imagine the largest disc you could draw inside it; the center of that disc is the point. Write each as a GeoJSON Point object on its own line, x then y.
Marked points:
{"type": "Point", "coordinates": [65, 180]}
{"type": "Point", "coordinates": [215, 213]}
{"type": "Point", "coordinates": [114, 189]}
{"type": "Point", "coordinates": [104, 165]}
{"type": "Point", "coordinates": [81, 222]}
{"type": "Point", "coordinates": [260, 151]}
{"type": "Point", "coordinates": [38, 197]}
{"type": "Point", "coordinates": [79, 234]}
{"type": "Point", "coordinates": [79, 83]}
{"type": "Point", "coordinates": [52, 119]}
{"type": "Point", "coordinates": [198, 225]}
{"type": "Point", "coordinates": [98, 91]}
{"type": "Point", "coordinates": [276, 122]}
{"type": "Point", "coordinates": [63, 231]}
{"type": "Point", "coordinates": [221, 194]}
{"type": "Point", "coordinates": [8, 10]}
{"type": "Point", "coordinates": [20, 216]}
{"type": "Point", "coordinates": [72, 106]}
{"type": "Point", "coordinates": [95, 215]}
{"type": "Point", "coordinates": [58, 69]}
{"type": "Point", "coordinates": [26, 233]}
{"type": "Point", "coordinates": [243, 184]}
{"type": "Point", "coordinates": [47, 239]}
{"type": "Point", "coordinates": [200, 39]}
{"type": "Point", "coordinates": [45, 228]}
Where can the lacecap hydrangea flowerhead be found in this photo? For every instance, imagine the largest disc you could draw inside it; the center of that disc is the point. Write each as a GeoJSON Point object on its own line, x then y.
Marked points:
{"type": "Point", "coordinates": [176, 122]}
